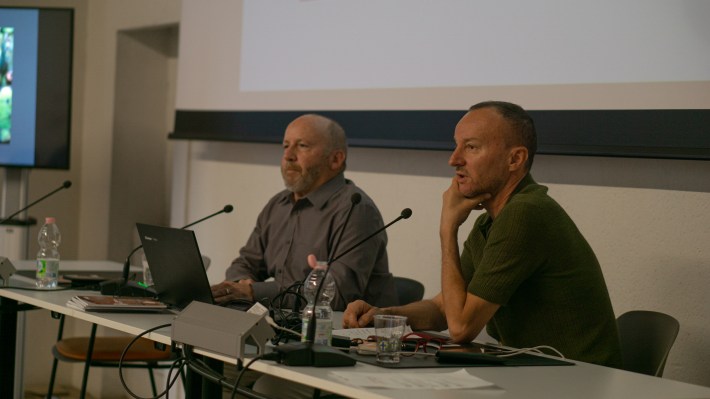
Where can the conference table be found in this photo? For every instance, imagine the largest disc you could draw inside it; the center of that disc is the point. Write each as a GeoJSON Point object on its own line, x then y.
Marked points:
{"type": "Point", "coordinates": [581, 380]}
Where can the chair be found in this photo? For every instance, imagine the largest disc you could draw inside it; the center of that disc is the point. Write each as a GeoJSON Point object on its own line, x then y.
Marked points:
{"type": "Point", "coordinates": [408, 290]}
{"type": "Point", "coordinates": [96, 351]}
{"type": "Point", "coordinates": [646, 339]}
{"type": "Point", "coordinates": [106, 352]}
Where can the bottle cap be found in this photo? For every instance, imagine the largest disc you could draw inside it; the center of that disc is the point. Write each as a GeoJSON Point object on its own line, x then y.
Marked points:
{"type": "Point", "coordinates": [49, 219]}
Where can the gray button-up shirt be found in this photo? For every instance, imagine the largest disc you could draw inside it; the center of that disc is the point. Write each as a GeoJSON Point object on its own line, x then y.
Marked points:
{"type": "Point", "coordinates": [287, 231]}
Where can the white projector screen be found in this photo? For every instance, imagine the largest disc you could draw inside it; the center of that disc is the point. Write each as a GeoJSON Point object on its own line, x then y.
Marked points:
{"type": "Point", "coordinates": [341, 44]}
{"type": "Point", "coordinates": [245, 62]}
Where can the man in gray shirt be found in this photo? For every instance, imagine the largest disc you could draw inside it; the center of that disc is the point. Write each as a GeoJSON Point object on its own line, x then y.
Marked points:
{"type": "Point", "coordinates": [307, 218]}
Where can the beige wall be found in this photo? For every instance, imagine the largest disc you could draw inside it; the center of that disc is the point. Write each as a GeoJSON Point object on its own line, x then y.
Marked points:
{"type": "Point", "coordinates": [104, 20]}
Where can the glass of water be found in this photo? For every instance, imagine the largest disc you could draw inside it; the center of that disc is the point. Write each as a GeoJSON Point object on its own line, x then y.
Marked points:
{"type": "Point", "coordinates": [389, 330]}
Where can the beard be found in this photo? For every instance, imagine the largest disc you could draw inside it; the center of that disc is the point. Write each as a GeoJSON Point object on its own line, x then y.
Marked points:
{"type": "Point", "coordinates": [301, 182]}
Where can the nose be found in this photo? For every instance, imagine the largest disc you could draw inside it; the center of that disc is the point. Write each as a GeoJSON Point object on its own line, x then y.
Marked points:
{"type": "Point", "coordinates": [289, 153]}
{"type": "Point", "coordinates": [455, 159]}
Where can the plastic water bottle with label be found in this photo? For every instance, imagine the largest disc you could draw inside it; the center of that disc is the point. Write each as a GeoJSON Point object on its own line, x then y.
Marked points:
{"type": "Point", "coordinates": [324, 313]}
{"type": "Point", "coordinates": [49, 239]}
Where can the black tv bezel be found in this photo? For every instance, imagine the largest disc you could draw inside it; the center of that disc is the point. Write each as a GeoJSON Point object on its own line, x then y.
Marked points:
{"type": "Point", "coordinates": [54, 80]}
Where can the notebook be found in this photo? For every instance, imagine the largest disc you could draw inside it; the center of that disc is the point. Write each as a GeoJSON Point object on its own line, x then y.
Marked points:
{"type": "Point", "coordinates": [110, 303]}
{"type": "Point", "coordinates": [176, 264]}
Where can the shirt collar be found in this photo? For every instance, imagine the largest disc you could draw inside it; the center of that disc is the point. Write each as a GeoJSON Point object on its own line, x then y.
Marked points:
{"type": "Point", "coordinates": [527, 180]}
{"type": "Point", "coordinates": [487, 221]}
{"type": "Point", "coordinates": [320, 196]}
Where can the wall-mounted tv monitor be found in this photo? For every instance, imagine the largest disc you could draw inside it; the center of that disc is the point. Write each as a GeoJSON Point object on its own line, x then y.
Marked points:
{"type": "Point", "coordinates": [35, 87]}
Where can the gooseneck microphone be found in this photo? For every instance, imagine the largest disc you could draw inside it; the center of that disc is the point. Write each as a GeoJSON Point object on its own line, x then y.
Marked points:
{"type": "Point", "coordinates": [405, 214]}
{"type": "Point", "coordinates": [123, 287]}
{"type": "Point", "coordinates": [64, 185]}
{"type": "Point", "coordinates": [227, 209]}
{"type": "Point", "coordinates": [311, 354]}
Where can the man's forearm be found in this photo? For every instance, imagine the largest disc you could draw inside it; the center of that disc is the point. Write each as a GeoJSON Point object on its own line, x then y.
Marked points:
{"type": "Point", "coordinates": [466, 313]}
{"type": "Point", "coordinates": [422, 315]}
{"type": "Point", "coordinates": [453, 288]}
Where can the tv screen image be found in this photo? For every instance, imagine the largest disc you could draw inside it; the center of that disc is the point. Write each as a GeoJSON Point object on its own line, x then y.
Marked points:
{"type": "Point", "coordinates": [35, 86]}
{"type": "Point", "coordinates": [7, 36]}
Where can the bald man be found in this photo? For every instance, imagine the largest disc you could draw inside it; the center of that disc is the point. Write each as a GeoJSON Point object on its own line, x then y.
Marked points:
{"type": "Point", "coordinates": [305, 219]}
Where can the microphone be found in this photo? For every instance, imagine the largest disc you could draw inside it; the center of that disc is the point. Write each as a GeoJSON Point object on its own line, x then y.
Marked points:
{"type": "Point", "coordinates": [405, 214]}
{"type": "Point", "coordinates": [125, 287]}
{"type": "Point", "coordinates": [309, 354]}
{"type": "Point", "coordinates": [64, 185]}
{"type": "Point", "coordinates": [227, 209]}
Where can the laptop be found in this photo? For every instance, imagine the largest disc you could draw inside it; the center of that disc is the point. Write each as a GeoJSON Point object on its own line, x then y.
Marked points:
{"type": "Point", "coordinates": [176, 265]}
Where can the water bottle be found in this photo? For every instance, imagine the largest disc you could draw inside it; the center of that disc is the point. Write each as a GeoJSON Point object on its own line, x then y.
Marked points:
{"type": "Point", "coordinates": [324, 313]}
{"type": "Point", "coordinates": [49, 239]}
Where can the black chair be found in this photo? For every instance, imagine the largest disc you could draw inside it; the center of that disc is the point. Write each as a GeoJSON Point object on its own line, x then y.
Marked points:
{"type": "Point", "coordinates": [408, 290]}
{"type": "Point", "coordinates": [646, 339]}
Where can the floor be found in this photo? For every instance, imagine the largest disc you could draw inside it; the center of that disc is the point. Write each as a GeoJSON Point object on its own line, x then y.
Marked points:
{"type": "Point", "coordinates": [60, 392]}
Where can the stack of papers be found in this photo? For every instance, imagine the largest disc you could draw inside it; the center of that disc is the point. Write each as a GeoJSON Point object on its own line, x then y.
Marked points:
{"type": "Point", "coordinates": [108, 303]}
{"type": "Point", "coordinates": [460, 379]}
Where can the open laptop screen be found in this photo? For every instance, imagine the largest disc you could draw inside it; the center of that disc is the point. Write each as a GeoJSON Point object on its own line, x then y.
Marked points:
{"type": "Point", "coordinates": [176, 265]}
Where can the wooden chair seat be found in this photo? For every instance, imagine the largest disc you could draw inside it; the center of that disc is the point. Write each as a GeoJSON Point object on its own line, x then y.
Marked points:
{"type": "Point", "coordinates": [106, 352]}
{"type": "Point", "coordinates": [108, 349]}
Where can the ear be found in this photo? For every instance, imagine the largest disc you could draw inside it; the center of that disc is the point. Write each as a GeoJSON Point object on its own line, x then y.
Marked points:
{"type": "Point", "coordinates": [337, 158]}
{"type": "Point", "coordinates": [518, 158]}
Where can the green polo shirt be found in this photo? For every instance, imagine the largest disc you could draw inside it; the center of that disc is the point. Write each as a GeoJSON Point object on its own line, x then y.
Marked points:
{"type": "Point", "coordinates": [534, 262]}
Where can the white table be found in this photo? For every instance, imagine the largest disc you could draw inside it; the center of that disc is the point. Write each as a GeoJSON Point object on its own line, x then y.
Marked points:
{"type": "Point", "coordinates": [540, 382]}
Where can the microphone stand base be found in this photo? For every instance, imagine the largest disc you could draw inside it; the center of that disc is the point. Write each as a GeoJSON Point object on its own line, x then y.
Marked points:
{"type": "Point", "coordinates": [310, 354]}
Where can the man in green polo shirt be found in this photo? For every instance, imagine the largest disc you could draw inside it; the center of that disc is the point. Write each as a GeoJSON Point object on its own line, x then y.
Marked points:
{"type": "Point", "coordinates": [525, 272]}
